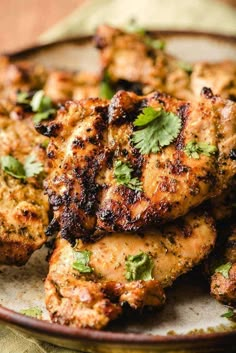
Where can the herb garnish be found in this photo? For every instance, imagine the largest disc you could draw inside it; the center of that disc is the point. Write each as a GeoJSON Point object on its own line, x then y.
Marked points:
{"type": "Point", "coordinates": [33, 312]}
{"type": "Point", "coordinates": [160, 129]}
{"type": "Point", "coordinates": [139, 267]}
{"type": "Point", "coordinates": [193, 149]}
{"type": "Point", "coordinates": [224, 269]}
{"type": "Point", "coordinates": [106, 91]}
{"type": "Point", "coordinates": [81, 262]}
{"type": "Point", "coordinates": [40, 104]}
{"type": "Point", "coordinates": [230, 314]}
{"type": "Point", "coordinates": [155, 43]}
{"type": "Point", "coordinates": [185, 66]}
{"type": "Point", "coordinates": [15, 168]}
{"type": "Point", "coordinates": [123, 175]}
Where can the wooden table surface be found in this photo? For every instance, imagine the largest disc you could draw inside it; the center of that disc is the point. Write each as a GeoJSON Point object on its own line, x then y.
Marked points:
{"type": "Point", "coordinates": [22, 21]}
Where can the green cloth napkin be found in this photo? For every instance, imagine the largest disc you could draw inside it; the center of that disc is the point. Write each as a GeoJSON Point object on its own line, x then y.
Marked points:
{"type": "Point", "coordinates": [205, 15]}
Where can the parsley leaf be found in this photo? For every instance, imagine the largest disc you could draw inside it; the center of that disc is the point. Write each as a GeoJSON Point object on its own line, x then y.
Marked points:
{"type": "Point", "coordinates": [224, 269]}
{"type": "Point", "coordinates": [32, 166]}
{"type": "Point", "coordinates": [139, 266]}
{"type": "Point", "coordinates": [160, 130]}
{"type": "Point", "coordinates": [33, 312]}
{"type": "Point", "coordinates": [230, 314]}
{"type": "Point", "coordinates": [13, 167]}
{"type": "Point", "coordinates": [185, 66]}
{"type": "Point", "coordinates": [106, 91]}
{"type": "Point", "coordinates": [193, 149]}
{"type": "Point", "coordinates": [123, 176]}
{"type": "Point", "coordinates": [81, 262]}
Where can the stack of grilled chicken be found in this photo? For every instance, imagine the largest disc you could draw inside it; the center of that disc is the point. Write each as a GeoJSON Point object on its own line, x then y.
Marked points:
{"type": "Point", "coordinates": [137, 168]}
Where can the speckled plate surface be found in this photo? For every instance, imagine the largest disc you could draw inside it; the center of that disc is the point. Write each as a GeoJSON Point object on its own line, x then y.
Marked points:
{"type": "Point", "coordinates": [191, 321]}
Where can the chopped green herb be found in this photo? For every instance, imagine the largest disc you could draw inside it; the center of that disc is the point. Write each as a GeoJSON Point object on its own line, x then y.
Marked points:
{"type": "Point", "coordinates": [33, 312]}
{"type": "Point", "coordinates": [185, 66]}
{"type": "Point", "coordinates": [32, 166]}
{"type": "Point", "coordinates": [81, 262]}
{"type": "Point", "coordinates": [23, 98]}
{"type": "Point", "coordinates": [229, 314]}
{"type": "Point", "coordinates": [193, 149]}
{"type": "Point", "coordinates": [139, 267]}
{"type": "Point", "coordinates": [106, 91]}
{"type": "Point", "coordinates": [160, 130]}
{"type": "Point", "coordinates": [123, 176]}
{"type": "Point", "coordinates": [45, 143]}
{"type": "Point", "coordinates": [38, 117]}
{"type": "Point", "coordinates": [132, 27]}
{"type": "Point", "coordinates": [224, 269]}
{"type": "Point", "coordinates": [40, 102]}
{"type": "Point", "coordinates": [15, 168]}
{"type": "Point", "coordinates": [155, 43]}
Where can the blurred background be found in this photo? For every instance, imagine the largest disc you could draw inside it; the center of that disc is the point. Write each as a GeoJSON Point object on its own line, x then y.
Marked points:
{"type": "Point", "coordinates": [26, 22]}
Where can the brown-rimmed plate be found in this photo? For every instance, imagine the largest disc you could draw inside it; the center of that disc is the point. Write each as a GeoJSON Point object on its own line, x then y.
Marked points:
{"type": "Point", "coordinates": [191, 321]}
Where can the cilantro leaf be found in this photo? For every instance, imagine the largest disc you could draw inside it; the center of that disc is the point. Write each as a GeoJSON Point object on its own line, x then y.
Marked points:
{"type": "Point", "coordinates": [185, 66]}
{"type": "Point", "coordinates": [193, 149]}
{"type": "Point", "coordinates": [13, 167]}
{"type": "Point", "coordinates": [148, 114]}
{"type": "Point", "coordinates": [106, 91]}
{"type": "Point", "coordinates": [123, 176]}
{"type": "Point", "coordinates": [16, 169]}
{"type": "Point", "coordinates": [23, 98]}
{"type": "Point", "coordinates": [155, 43]}
{"type": "Point", "coordinates": [138, 267]}
{"type": "Point", "coordinates": [133, 27]}
{"type": "Point", "coordinates": [224, 269]}
{"type": "Point", "coordinates": [33, 312]}
{"type": "Point", "coordinates": [32, 166]}
{"type": "Point", "coordinates": [160, 131]}
{"type": "Point", "coordinates": [38, 117]}
{"type": "Point", "coordinates": [230, 314]}
{"type": "Point", "coordinates": [81, 262]}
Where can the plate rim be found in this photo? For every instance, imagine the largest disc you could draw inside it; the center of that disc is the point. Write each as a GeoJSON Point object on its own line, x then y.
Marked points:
{"type": "Point", "coordinates": [10, 317]}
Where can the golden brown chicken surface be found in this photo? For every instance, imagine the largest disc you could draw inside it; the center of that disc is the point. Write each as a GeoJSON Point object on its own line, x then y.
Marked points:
{"type": "Point", "coordinates": [223, 281]}
{"type": "Point", "coordinates": [89, 138]}
{"type": "Point", "coordinates": [23, 205]}
{"type": "Point", "coordinates": [133, 61]}
{"type": "Point", "coordinates": [117, 263]}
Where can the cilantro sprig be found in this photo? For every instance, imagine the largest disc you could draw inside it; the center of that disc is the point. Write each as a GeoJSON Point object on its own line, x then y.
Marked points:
{"type": "Point", "coordinates": [224, 269]}
{"type": "Point", "coordinates": [33, 312]}
{"type": "Point", "coordinates": [139, 267]}
{"type": "Point", "coordinates": [81, 262]}
{"type": "Point", "coordinates": [160, 128]}
{"type": "Point", "coordinates": [193, 149]}
{"type": "Point", "coordinates": [123, 175]}
{"type": "Point", "coordinates": [16, 169]}
{"type": "Point", "coordinates": [230, 314]}
{"type": "Point", "coordinates": [40, 104]}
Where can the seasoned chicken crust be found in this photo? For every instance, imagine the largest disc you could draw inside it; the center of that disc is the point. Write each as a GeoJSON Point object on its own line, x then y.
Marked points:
{"type": "Point", "coordinates": [87, 137]}
{"type": "Point", "coordinates": [92, 300]}
{"type": "Point", "coordinates": [23, 205]}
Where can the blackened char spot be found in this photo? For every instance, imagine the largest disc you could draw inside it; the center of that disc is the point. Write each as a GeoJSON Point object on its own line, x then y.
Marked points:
{"type": "Point", "coordinates": [207, 92]}
{"type": "Point", "coordinates": [50, 130]}
{"type": "Point", "coordinates": [177, 167]}
{"type": "Point", "coordinates": [183, 113]}
{"type": "Point", "coordinates": [232, 154]}
{"type": "Point", "coordinates": [52, 228]}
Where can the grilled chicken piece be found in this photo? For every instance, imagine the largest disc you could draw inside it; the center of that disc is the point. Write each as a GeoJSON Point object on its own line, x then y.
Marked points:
{"type": "Point", "coordinates": [131, 62]}
{"type": "Point", "coordinates": [220, 77]}
{"type": "Point", "coordinates": [89, 136]}
{"type": "Point", "coordinates": [223, 285]}
{"type": "Point", "coordinates": [62, 86]}
{"type": "Point", "coordinates": [93, 299]}
{"type": "Point", "coordinates": [223, 206]}
{"type": "Point", "coordinates": [21, 76]}
{"type": "Point", "coordinates": [23, 205]}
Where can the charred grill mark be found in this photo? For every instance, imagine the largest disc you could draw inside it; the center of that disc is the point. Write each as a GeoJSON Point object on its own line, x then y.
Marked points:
{"type": "Point", "coordinates": [183, 112]}
{"type": "Point", "coordinates": [51, 130]}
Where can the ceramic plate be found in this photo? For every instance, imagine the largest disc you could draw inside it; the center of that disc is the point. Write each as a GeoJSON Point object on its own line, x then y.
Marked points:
{"type": "Point", "coordinates": [191, 321]}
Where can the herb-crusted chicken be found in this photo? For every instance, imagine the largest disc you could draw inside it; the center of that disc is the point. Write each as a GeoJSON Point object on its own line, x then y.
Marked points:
{"type": "Point", "coordinates": [87, 285]}
{"type": "Point", "coordinates": [137, 161]}
{"type": "Point", "coordinates": [23, 205]}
